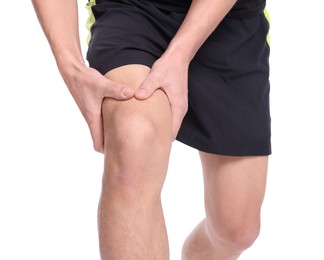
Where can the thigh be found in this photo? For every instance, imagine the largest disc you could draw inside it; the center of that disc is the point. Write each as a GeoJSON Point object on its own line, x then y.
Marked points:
{"type": "Point", "coordinates": [119, 34]}
{"type": "Point", "coordinates": [134, 128]}
{"type": "Point", "coordinates": [155, 109]}
{"type": "Point", "coordinates": [137, 137]}
{"type": "Point", "coordinates": [234, 189]}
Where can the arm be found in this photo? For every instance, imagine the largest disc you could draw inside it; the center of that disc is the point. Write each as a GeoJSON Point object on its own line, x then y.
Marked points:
{"type": "Point", "coordinates": [59, 20]}
{"type": "Point", "coordinates": [170, 71]}
{"type": "Point", "coordinates": [202, 19]}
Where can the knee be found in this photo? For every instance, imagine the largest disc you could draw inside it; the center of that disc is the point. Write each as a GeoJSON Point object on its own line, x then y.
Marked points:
{"type": "Point", "coordinates": [137, 147]}
{"type": "Point", "coordinates": [237, 236]}
{"type": "Point", "coordinates": [133, 133]}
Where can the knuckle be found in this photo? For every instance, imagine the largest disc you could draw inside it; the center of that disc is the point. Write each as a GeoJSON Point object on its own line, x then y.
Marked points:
{"type": "Point", "coordinates": [110, 91]}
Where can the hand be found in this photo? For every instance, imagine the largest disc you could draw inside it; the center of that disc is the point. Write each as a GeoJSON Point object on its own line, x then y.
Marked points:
{"type": "Point", "coordinates": [170, 75]}
{"type": "Point", "coordinates": [88, 88]}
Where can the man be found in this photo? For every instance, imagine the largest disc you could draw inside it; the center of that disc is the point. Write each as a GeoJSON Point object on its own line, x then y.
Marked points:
{"type": "Point", "coordinates": [144, 56]}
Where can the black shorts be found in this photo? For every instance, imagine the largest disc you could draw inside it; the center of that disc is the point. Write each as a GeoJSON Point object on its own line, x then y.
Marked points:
{"type": "Point", "coordinates": [228, 78]}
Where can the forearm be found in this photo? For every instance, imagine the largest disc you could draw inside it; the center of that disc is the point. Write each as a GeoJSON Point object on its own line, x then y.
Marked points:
{"type": "Point", "coordinates": [59, 20]}
{"type": "Point", "coordinates": [202, 19]}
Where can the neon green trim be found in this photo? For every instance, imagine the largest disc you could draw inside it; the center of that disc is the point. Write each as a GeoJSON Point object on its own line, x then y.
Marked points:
{"type": "Point", "coordinates": [91, 19]}
{"type": "Point", "coordinates": [267, 16]}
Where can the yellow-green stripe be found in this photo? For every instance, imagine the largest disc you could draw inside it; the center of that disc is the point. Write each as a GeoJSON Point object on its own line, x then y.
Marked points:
{"type": "Point", "coordinates": [91, 19]}
{"type": "Point", "coordinates": [266, 14]}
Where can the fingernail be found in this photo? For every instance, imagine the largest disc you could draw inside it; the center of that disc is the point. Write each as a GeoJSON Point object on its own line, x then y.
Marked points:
{"type": "Point", "coordinates": [141, 91]}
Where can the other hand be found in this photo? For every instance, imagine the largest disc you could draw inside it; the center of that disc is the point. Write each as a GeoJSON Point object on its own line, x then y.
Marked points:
{"type": "Point", "coordinates": [88, 88]}
{"type": "Point", "coordinates": [171, 76]}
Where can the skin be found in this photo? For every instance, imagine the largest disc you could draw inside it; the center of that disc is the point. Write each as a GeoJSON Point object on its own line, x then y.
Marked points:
{"type": "Point", "coordinates": [131, 222]}
{"type": "Point", "coordinates": [234, 191]}
{"type": "Point", "coordinates": [59, 20]}
{"type": "Point", "coordinates": [134, 113]}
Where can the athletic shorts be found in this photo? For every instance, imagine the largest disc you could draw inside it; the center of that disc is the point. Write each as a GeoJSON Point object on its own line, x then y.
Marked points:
{"type": "Point", "coordinates": [228, 78]}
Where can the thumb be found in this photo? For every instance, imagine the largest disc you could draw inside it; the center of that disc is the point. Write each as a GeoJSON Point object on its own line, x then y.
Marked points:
{"type": "Point", "coordinates": [117, 91]}
{"type": "Point", "coordinates": [146, 89]}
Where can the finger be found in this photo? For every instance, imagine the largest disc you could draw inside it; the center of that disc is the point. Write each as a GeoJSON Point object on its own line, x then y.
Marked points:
{"type": "Point", "coordinates": [176, 123]}
{"type": "Point", "coordinates": [117, 91]}
{"type": "Point", "coordinates": [178, 112]}
{"type": "Point", "coordinates": [146, 89]}
{"type": "Point", "coordinates": [96, 130]}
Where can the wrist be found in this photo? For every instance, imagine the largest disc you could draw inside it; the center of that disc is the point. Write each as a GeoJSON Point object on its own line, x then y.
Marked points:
{"type": "Point", "coordinates": [69, 65]}
{"type": "Point", "coordinates": [178, 53]}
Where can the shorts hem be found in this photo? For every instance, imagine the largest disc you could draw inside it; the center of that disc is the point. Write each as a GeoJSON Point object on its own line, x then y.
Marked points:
{"type": "Point", "coordinates": [125, 59]}
{"type": "Point", "coordinates": [230, 150]}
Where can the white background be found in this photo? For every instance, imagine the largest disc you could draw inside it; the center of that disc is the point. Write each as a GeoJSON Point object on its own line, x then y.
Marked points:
{"type": "Point", "coordinates": [50, 176]}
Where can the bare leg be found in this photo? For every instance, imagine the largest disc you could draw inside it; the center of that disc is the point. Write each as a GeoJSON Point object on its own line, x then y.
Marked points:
{"type": "Point", "coordinates": [234, 191]}
{"type": "Point", "coordinates": [137, 147]}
